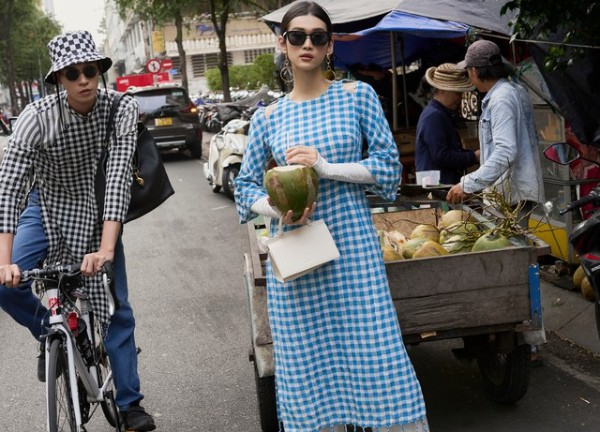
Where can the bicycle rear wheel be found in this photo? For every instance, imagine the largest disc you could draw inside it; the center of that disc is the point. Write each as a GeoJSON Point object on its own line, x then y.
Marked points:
{"type": "Point", "coordinates": [61, 414]}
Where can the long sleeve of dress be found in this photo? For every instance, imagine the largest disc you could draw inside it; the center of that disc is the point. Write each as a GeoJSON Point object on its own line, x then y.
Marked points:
{"type": "Point", "coordinates": [249, 183]}
{"type": "Point", "coordinates": [383, 161]}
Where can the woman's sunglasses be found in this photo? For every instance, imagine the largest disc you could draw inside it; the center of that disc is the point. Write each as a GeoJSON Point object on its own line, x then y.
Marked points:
{"type": "Point", "coordinates": [72, 74]}
{"type": "Point", "coordinates": [298, 37]}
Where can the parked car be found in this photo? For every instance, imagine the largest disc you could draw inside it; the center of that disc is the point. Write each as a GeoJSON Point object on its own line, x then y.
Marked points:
{"type": "Point", "coordinates": [171, 117]}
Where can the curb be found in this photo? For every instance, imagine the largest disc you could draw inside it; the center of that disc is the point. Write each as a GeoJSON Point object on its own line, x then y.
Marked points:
{"type": "Point", "coordinates": [570, 316]}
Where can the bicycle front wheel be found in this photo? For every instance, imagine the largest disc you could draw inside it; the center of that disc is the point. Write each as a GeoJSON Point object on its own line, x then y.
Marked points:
{"type": "Point", "coordinates": [61, 414]}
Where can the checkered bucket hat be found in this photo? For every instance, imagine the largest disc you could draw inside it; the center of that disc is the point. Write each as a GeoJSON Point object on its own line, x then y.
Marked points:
{"type": "Point", "coordinates": [74, 48]}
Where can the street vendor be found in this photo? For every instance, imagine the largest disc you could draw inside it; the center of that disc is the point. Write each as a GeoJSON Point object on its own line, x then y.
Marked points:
{"type": "Point", "coordinates": [438, 145]}
{"type": "Point", "coordinates": [510, 161]}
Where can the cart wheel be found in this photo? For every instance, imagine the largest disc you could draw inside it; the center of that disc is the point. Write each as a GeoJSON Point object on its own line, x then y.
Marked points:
{"type": "Point", "coordinates": [506, 376]}
{"type": "Point", "coordinates": [267, 406]}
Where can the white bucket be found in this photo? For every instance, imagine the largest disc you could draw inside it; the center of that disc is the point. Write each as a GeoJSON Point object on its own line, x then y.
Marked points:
{"type": "Point", "coordinates": [428, 178]}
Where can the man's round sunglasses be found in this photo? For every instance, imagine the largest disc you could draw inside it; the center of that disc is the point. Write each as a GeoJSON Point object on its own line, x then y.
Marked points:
{"type": "Point", "coordinates": [298, 37]}
{"type": "Point", "coordinates": [72, 74]}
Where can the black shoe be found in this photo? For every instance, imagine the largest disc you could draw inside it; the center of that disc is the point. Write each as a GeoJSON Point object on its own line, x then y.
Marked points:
{"type": "Point", "coordinates": [41, 365]}
{"type": "Point", "coordinates": [137, 419]}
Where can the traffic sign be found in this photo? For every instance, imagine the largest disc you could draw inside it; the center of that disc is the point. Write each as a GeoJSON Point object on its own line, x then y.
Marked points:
{"type": "Point", "coordinates": [167, 64]}
{"type": "Point", "coordinates": [153, 66]}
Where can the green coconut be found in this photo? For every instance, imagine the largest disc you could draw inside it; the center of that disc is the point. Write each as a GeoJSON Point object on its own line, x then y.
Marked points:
{"type": "Point", "coordinates": [292, 187]}
{"type": "Point", "coordinates": [453, 216]}
{"type": "Point", "coordinates": [410, 247]}
{"type": "Point", "coordinates": [426, 231]}
{"type": "Point", "coordinates": [490, 241]}
{"type": "Point", "coordinates": [457, 244]}
{"type": "Point", "coordinates": [457, 228]}
{"type": "Point", "coordinates": [429, 249]}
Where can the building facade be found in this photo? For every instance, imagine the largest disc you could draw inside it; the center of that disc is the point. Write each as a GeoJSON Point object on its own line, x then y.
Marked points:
{"type": "Point", "coordinates": [131, 42]}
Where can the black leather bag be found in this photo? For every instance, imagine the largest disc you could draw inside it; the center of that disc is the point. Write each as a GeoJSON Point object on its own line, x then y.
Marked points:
{"type": "Point", "coordinates": [150, 186]}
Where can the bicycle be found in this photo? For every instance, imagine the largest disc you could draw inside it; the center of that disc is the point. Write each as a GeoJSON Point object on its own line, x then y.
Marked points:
{"type": "Point", "coordinates": [78, 373]}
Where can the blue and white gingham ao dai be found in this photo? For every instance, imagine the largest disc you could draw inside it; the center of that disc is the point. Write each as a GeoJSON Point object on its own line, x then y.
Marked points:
{"type": "Point", "coordinates": [339, 353]}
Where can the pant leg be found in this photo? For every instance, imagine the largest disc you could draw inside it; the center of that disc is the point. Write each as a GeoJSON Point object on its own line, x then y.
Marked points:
{"type": "Point", "coordinates": [30, 247]}
{"type": "Point", "coordinates": [120, 340]}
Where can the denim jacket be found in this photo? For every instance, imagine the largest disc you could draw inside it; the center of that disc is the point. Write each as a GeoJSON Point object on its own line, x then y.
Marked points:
{"type": "Point", "coordinates": [510, 160]}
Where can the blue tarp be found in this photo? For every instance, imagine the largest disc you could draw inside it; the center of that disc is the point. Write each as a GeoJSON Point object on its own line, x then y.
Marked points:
{"type": "Point", "coordinates": [417, 34]}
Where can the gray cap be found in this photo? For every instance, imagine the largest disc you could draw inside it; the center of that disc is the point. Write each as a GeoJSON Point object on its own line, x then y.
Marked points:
{"type": "Point", "coordinates": [481, 53]}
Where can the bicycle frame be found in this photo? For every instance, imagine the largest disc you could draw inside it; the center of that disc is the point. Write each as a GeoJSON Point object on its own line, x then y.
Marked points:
{"type": "Point", "coordinates": [77, 368]}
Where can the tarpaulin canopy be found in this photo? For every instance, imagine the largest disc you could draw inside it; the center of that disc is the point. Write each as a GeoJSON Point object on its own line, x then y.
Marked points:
{"type": "Point", "coordinates": [373, 45]}
{"type": "Point", "coordinates": [354, 15]}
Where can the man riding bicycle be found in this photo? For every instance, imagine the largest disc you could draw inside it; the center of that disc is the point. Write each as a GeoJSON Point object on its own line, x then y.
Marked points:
{"type": "Point", "coordinates": [48, 209]}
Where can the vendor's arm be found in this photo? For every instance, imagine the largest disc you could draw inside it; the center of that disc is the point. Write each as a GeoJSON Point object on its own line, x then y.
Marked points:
{"type": "Point", "coordinates": [503, 127]}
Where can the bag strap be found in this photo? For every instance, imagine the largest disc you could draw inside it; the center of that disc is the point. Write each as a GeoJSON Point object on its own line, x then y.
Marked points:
{"type": "Point", "coordinates": [111, 116]}
{"type": "Point", "coordinates": [280, 226]}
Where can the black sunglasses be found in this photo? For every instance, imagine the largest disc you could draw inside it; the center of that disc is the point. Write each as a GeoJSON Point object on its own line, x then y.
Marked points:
{"type": "Point", "coordinates": [298, 37]}
{"type": "Point", "coordinates": [72, 74]}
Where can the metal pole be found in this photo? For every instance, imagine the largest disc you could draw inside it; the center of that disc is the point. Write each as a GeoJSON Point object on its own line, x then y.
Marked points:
{"type": "Point", "coordinates": [404, 81]}
{"type": "Point", "coordinates": [41, 86]}
{"type": "Point", "coordinates": [394, 84]}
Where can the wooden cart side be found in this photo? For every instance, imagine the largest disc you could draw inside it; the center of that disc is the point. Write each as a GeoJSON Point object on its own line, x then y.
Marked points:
{"type": "Point", "coordinates": [444, 295]}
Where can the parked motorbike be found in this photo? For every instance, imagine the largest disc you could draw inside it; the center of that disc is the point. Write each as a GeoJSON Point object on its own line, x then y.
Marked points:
{"type": "Point", "coordinates": [225, 156]}
{"type": "Point", "coordinates": [585, 237]}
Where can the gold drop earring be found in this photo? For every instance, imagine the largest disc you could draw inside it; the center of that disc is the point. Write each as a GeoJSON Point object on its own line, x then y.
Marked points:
{"type": "Point", "coordinates": [286, 74]}
{"type": "Point", "coordinates": [329, 73]}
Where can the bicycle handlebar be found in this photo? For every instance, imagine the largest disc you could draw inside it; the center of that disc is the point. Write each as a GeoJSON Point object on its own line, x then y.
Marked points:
{"type": "Point", "coordinates": [51, 272]}
{"type": "Point", "coordinates": [57, 271]}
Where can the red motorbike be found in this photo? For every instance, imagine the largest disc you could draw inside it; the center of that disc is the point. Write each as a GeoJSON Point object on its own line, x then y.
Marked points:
{"type": "Point", "coordinates": [585, 237]}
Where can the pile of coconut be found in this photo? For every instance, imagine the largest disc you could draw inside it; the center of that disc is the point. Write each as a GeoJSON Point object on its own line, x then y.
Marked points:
{"type": "Point", "coordinates": [582, 283]}
{"type": "Point", "coordinates": [456, 232]}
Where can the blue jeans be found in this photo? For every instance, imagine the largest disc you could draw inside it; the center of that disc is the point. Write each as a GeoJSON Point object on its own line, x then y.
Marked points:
{"type": "Point", "coordinates": [30, 247]}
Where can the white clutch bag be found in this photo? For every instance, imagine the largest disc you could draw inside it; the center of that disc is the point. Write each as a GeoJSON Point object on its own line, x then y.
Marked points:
{"type": "Point", "coordinates": [300, 251]}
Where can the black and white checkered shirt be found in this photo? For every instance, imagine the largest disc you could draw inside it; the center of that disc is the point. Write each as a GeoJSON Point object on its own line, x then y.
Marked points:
{"type": "Point", "coordinates": [60, 157]}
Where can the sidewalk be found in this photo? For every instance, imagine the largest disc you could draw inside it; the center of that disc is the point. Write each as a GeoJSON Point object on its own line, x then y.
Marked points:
{"type": "Point", "coordinates": [570, 316]}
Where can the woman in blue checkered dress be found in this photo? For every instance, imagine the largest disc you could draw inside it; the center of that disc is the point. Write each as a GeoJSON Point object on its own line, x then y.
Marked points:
{"type": "Point", "coordinates": [339, 355]}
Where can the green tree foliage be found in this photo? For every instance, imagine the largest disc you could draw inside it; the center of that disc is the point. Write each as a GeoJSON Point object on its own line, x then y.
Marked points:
{"type": "Point", "coordinates": [249, 77]}
{"type": "Point", "coordinates": [576, 25]}
{"type": "Point", "coordinates": [24, 34]}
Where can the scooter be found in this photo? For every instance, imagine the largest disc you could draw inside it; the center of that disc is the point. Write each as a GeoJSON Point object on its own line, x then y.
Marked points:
{"type": "Point", "coordinates": [225, 156]}
{"type": "Point", "coordinates": [585, 237]}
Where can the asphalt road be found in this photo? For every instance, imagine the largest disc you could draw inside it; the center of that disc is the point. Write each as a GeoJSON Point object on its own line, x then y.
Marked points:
{"type": "Point", "coordinates": [185, 265]}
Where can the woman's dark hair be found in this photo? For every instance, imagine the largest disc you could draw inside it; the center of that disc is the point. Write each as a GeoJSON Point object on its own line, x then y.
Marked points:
{"type": "Point", "coordinates": [306, 8]}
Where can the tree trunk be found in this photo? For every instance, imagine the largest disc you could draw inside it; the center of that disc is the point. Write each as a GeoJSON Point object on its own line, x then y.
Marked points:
{"type": "Point", "coordinates": [5, 28]}
{"type": "Point", "coordinates": [220, 23]}
{"type": "Point", "coordinates": [181, 51]}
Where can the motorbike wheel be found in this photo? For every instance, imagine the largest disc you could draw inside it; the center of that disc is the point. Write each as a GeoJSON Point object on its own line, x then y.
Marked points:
{"type": "Point", "coordinates": [229, 175]}
{"type": "Point", "coordinates": [506, 376]}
